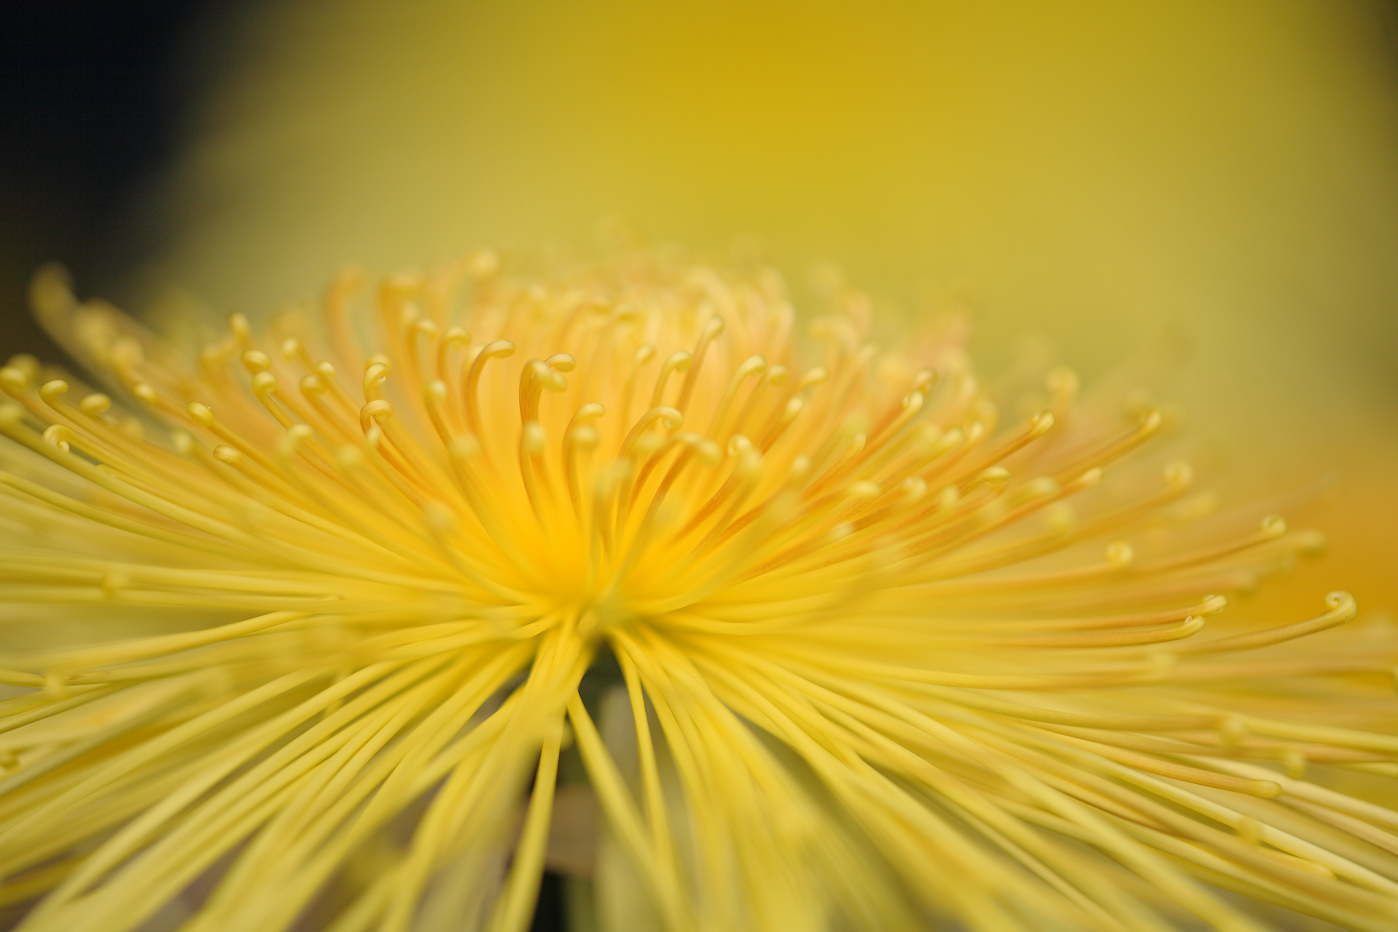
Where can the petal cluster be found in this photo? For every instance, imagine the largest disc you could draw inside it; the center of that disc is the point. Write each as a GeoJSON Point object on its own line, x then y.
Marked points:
{"type": "Point", "coordinates": [307, 624]}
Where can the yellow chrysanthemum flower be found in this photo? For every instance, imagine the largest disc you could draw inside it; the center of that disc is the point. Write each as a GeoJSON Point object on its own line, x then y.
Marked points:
{"type": "Point", "coordinates": [335, 586]}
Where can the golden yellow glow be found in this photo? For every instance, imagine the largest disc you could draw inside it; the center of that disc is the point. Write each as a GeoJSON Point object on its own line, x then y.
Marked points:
{"type": "Point", "coordinates": [890, 654]}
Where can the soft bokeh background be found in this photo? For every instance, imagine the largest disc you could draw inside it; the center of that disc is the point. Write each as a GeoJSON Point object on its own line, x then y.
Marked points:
{"type": "Point", "coordinates": [1102, 173]}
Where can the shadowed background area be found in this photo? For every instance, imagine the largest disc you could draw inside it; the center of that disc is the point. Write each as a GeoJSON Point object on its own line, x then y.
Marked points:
{"type": "Point", "coordinates": [1098, 173]}
{"type": "Point", "coordinates": [92, 97]}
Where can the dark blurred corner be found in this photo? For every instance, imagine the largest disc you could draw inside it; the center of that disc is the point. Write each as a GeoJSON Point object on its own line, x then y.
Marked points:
{"type": "Point", "coordinates": [93, 95]}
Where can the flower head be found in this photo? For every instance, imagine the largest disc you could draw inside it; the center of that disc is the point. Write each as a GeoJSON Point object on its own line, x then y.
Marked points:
{"type": "Point", "coordinates": [324, 595]}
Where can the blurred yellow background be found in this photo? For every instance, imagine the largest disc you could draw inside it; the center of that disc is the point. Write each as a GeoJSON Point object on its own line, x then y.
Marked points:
{"type": "Point", "coordinates": [1101, 173]}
